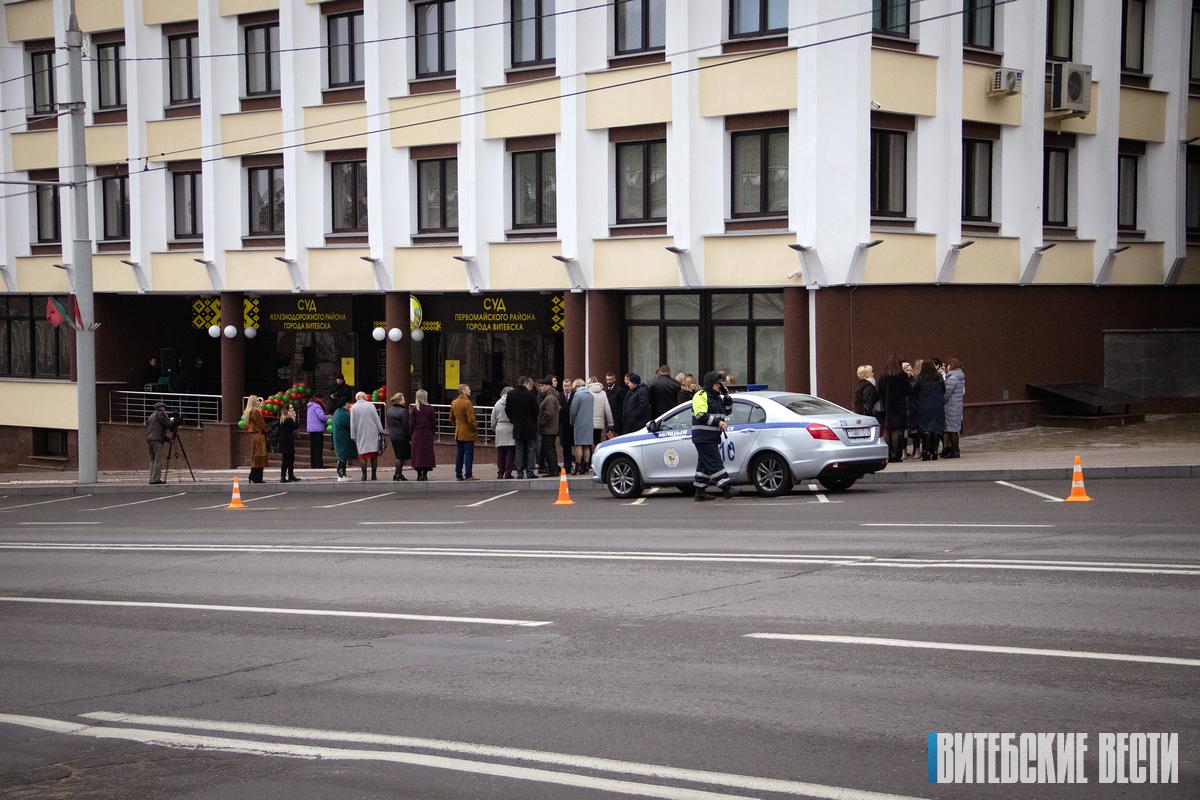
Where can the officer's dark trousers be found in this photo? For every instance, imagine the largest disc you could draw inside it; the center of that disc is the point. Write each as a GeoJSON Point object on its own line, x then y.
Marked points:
{"type": "Point", "coordinates": [710, 470]}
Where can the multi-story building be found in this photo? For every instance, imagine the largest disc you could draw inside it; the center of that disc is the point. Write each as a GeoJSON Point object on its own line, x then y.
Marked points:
{"type": "Point", "coordinates": [780, 188]}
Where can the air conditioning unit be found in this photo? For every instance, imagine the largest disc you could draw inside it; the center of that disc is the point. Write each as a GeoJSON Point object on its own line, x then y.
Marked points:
{"type": "Point", "coordinates": [1005, 82]}
{"type": "Point", "coordinates": [1071, 87]}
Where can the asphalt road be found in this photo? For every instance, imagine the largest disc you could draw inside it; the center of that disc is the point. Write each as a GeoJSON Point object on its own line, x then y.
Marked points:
{"type": "Point", "coordinates": [497, 646]}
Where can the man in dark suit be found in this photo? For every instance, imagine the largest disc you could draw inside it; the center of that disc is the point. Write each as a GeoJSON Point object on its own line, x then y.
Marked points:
{"type": "Point", "coordinates": [664, 392]}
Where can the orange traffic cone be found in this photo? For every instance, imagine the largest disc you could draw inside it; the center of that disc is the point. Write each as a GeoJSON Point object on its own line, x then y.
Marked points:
{"type": "Point", "coordinates": [1078, 494]}
{"type": "Point", "coordinates": [236, 500]}
{"type": "Point", "coordinates": [564, 493]}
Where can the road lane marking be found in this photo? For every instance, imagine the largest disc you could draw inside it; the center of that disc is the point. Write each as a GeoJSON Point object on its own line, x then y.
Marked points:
{"type": "Point", "coordinates": [419, 522]}
{"type": "Point", "coordinates": [638, 502]}
{"type": "Point", "coordinates": [488, 500]}
{"type": "Point", "coordinates": [821, 498]}
{"type": "Point", "coordinates": [653, 490]}
{"type": "Point", "coordinates": [359, 500]}
{"type": "Point", "coordinates": [46, 502]}
{"type": "Point", "coordinates": [947, 525]}
{"type": "Point", "coordinates": [978, 648]}
{"type": "Point", "coordinates": [309, 612]}
{"type": "Point", "coordinates": [248, 500]}
{"type": "Point", "coordinates": [1049, 497]}
{"type": "Point", "coordinates": [59, 523]}
{"type": "Point", "coordinates": [137, 502]}
{"type": "Point", "coordinates": [658, 771]}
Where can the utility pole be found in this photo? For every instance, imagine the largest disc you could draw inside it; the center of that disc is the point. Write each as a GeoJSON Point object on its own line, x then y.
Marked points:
{"type": "Point", "coordinates": [81, 258]}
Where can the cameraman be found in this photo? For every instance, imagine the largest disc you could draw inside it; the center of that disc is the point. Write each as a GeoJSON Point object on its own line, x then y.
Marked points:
{"type": "Point", "coordinates": [158, 426]}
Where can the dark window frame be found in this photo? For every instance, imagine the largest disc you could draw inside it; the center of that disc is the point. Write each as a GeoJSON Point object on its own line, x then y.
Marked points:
{"type": "Point", "coordinates": [42, 106]}
{"type": "Point", "coordinates": [1066, 187]}
{"type": "Point", "coordinates": [1050, 54]}
{"type": "Point", "coordinates": [276, 226]}
{"type": "Point", "coordinates": [876, 163]}
{"type": "Point", "coordinates": [1135, 160]}
{"type": "Point", "coordinates": [41, 195]}
{"type": "Point", "coordinates": [358, 187]}
{"type": "Point", "coordinates": [271, 79]}
{"type": "Point", "coordinates": [355, 70]}
{"type": "Point", "coordinates": [763, 28]}
{"type": "Point", "coordinates": [197, 214]}
{"type": "Point", "coordinates": [1194, 44]}
{"type": "Point", "coordinates": [539, 45]}
{"type": "Point", "coordinates": [969, 179]}
{"type": "Point", "coordinates": [441, 35]}
{"type": "Point", "coordinates": [886, 25]}
{"type": "Point", "coordinates": [118, 49]}
{"type": "Point", "coordinates": [190, 63]}
{"type": "Point", "coordinates": [442, 163]}
{"type": "Point", "coordinates": [646, 147]}
{"type": "Point", "coordinates": [540, 162]}
{"type": "Point", "coordinates": [109, 231]}
{"type": "Point", "coordinates": [645, 46]}
{"type": "Point", "coordinates": [30, 310]}
{"type": "Point", "coordinates": [1192, 199]}
{"type": "Point", "coordinates": [971, 11]}
{"type": "Point", "coordinates": [1141, 64]}
{"type": "Point", "coordinates": [764, 135]}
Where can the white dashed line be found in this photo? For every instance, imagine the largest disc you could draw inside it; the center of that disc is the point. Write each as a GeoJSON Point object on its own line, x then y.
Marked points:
{"type": "Point", "coordinates": [46, 502]}
{"type": "Point", "coordinates": [1049, 497]}
{"type": "Point", "coordinates": [488, 500]}
{"type": "Point", "coordinates": [137, 502]}
{"type": "Point", "coordinates": [359, 500]}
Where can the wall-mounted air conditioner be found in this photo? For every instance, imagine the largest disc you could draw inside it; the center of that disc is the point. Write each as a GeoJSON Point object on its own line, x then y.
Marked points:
{"type": "Point", "coordinates": [1005, 82]}
{"type": "Point", "coordinates": [1071, 88]}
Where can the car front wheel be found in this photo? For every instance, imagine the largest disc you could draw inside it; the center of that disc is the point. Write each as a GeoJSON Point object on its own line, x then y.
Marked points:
{"type": "Point", "coordinates": [771, 474]}
{"type": "Point", "coordinates": [836, 484]}
{"type": "Point", "coordinates": [623, 480]}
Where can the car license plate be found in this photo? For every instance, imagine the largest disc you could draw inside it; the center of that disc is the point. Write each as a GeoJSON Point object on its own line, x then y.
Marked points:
{"type": "Point", "coordinates": [858, 433]}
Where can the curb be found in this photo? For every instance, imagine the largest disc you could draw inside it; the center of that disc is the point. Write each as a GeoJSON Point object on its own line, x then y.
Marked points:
{"type": "Point", "coordinates": [577, 484]}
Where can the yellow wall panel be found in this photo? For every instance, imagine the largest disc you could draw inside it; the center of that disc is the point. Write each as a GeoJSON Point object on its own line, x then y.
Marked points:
{"type": "Point", "coordinates": [33, 19]}
{"type": "Point", "coordinates": [1086, 125]}
{"type": "Point", "coordinates": [766, 83]}
{"type": "Point", "coordinates": [101, 15]}
{"type": "Point", "coordinates": [526, 265]}
{"type": "Point", "coordinates": [340, 269]}
{"type": "Point", "coordinates": [634, 262]}
{"type": "Point", "coordinates": [177, 272]}
{"type": "Point", "coordinates": [749, 260]}
{"type": "Point", "coordinates": [1143, 114]}
{"type": "Point", "coordinates": [106, 144]}
{"type": "Point", "coordinates": [38, 274]}
{"type": "Point", "coordinates": [902, 258]}
{"type": "Point", "coordinates": [428, 269]}
{"type": "Point", "coordinates": [989, 260]}
{"type": "Point", "coordinates": [532, 119]}
{"type": "Point", "coordinates": [638, 104]}
{"type": "Point", "coordinates": [39, 404]}
{"type": "Point", "coordinates": [159, 12]}
{"type": "Point", "coordinates": [978, 107]}
{"type": "Point", "coordinates": [231, 7]}
{"type": "Point", "coordinates": [256, 270]}
{"type": "Point", "coordinates": [410, 119]}
{"type": "Point", "coordinates": [904, 83]}
{"type": "Point", "coordinates": [1190, 273]}
{"type": "Point", "coordinates": [35, 150]}
{"type": "Point", "coordinates": [1068, 262]}
{"type": "Point", "coordinates": [171, 136]}
{"type": "Point", "coordinates": [1141, 263]}
{"type": "Point", "coordinates": [110, 275]}
{"type": "Point", "coordinates": [335, 121]}
{"type": "Point", "coordinates": [251, 132]}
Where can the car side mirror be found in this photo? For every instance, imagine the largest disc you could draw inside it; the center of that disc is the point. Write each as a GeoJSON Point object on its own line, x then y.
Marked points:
{"type": "Point", "coordinates": [652, 426]}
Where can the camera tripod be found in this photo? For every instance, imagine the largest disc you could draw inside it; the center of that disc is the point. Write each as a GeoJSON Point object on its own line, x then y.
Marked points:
{"type": "Point", "coordinates": [175, 438]}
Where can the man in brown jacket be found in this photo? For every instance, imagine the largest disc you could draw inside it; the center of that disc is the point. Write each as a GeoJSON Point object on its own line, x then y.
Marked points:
{"type": "Point", "coordinates": [548, 423]}
{"type": "Point", "coordinates": [462, 411]}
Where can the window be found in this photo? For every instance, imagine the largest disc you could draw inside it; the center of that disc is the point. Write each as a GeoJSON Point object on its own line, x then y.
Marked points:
{"type": "Point", "coordinates": [641, 26]}
{"type": "Point", "coordinates": [116, 207]}
{"type": "Point", "coordinates": [979, 24]}
{"type": "Point", "coordinates": [49, 443]}
{"type": "Point", "coordinates": [757, 17]}
{"type": "Point", "coordinates": [889, 173]}
{"type": "Point", "coordinates": [262, 59]}
{"type": "Point", "coordinates": [532, 32]}
{"type": "Point", "coordinates": [186, 193]}
{"type": "Point", "coordinates": [30, 347]}
{"type": "Point", "coordinates": [642, 182]}
{"type": "Point", "coordinates": [110, 61]}
{"type": "Point", "coordinates": [891, 16]}
{"type": "Point", "coordinates": [1192, 181]}
{"type": "Point", "coordinates": [184, 80]}
{"type": "Point", "coordinates": [535, 200]}
{"type": "Point", "coordinates": [1060, 30]}
{"type": "Point", "coordinates": [437, 195]}
{"type": "Point", "coordinates": [41, 69]}
{"type": "Point", "coordinates": [266, 200]}
{"type": "Point", "coordinates": [345, 49]}
{"type": "Point", "coordinates": [977, 180]}
{"type": "Point", "coordinates": [760, 173]}
{"type": "Point", "coordinates": [1054, 186]}
{"type": "Point", "coordinates": [1127, 192]}
{"type": "Point", "coordinates": [1194, 55]}
{"type": "Point", "coordinates": [435, 38]}
{"type": "Point", "coordinates": [1133, 35]}
{"type": "Point", "coordinates": [348, 195]}
{"type": "Point", "coordinates": [48, 220]}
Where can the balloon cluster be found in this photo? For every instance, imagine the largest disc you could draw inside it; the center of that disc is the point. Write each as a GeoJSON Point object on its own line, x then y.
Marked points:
{"type": "Point", "coordinates": [273, 406]}
{"type": "Point", "coordinates": [379, 395]}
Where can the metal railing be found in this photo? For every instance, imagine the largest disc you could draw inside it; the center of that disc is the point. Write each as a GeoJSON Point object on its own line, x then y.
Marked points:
{"type": "Point", "coordinates": [134, 408]}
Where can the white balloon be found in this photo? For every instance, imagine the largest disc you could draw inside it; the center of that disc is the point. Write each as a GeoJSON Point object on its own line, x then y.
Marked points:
{"type": "Point", "coordinates": [418, 335]}
{"type": "Point", "coordinates": [251, 332]}
{"type": "Point", "coordinates": [230, 331]}
{"type": "Point", "coordinates": [214, 331]}
{"type": "Point", "coordinates": [395, 334]}
{"type": "Point", "coordinates": [378, 334]}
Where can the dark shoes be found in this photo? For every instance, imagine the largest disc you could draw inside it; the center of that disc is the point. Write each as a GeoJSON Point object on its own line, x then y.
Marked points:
{"type": "Point", "coordinates": [703, 496]}
{"type": "Point", "coordinates": [158, 483]}
{"type": "Point", "coordinates": [728, 493]}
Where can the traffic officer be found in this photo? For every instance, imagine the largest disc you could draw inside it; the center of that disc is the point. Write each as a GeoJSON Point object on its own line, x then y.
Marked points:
{"type": "Point", "coordinates": [710, 406]}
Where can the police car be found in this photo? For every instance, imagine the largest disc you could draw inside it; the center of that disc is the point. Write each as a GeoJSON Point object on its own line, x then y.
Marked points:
{"type": "Point", "coordinates": [774, 440]}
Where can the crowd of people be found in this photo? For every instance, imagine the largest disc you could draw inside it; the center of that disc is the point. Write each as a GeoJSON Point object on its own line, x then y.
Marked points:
{"type": "Point", "coordinates": [919, 405]}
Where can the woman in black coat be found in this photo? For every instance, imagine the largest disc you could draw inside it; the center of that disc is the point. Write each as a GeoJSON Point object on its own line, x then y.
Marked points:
{"type": "Point", "coordinates": [286, 445]}
{"type": "Point", "coordinates": [929, 398]}
{"type": "Point", "coordinates": [894, 390]}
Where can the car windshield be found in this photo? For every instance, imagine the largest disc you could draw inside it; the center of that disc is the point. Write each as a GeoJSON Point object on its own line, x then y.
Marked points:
{"type": "Point", "coordinates": [805, 405]}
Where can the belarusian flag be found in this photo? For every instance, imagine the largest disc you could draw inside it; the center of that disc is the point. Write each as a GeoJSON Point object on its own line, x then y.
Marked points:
{"type": "Point", "coordinates": [56, 312]}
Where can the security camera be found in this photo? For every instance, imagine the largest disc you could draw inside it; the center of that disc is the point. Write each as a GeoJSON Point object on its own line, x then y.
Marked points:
{"type": "Point", "coordinates": [875, 106]}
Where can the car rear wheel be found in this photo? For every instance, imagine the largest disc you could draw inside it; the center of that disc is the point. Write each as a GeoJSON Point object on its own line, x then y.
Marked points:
{"type": "Point", "coordinates": [836, 483]}
{"type": "Point", "coordinates": [623, 479]}
{"type": "Point", "coordinates": [771, 474]}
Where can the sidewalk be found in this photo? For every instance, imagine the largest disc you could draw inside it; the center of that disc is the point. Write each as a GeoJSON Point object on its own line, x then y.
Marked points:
{"type": "Point", "coordinates": [1165, 446]}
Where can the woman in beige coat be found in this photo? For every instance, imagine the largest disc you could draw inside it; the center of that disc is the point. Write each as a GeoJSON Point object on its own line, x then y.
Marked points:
{"type": "Point", "coordinates": [257, 426]}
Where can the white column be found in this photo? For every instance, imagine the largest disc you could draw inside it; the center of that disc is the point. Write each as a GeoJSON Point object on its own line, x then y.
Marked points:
{"type": "Point", "coordinates": [389, 193]}
{"type": "Point", "coordinates": [1095, 167]}
{"type": "Point", "coordinates": [306, 179]}
{"type": "Point", "coordinates": [151, 222]}
{"type": "Point", "coordinates": [221, 85]}
{"type": "Point", "coordinates": [1163, 190]}
{"type": "Point", "coordinates": [1022, 37]}
{"type": "Point", "coordinates": [16, 223]}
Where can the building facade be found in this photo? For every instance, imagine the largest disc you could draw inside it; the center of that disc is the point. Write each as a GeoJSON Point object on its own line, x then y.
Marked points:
{"type": "Point", "coordinates": [784, 189]}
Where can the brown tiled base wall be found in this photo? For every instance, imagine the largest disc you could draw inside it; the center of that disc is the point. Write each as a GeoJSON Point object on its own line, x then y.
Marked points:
{"type": "Point", "coordinates": [16, 452]}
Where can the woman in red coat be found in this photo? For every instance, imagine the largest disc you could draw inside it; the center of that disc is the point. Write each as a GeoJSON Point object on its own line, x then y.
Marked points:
{"type": "Point", "coordinates": [422, 422]}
